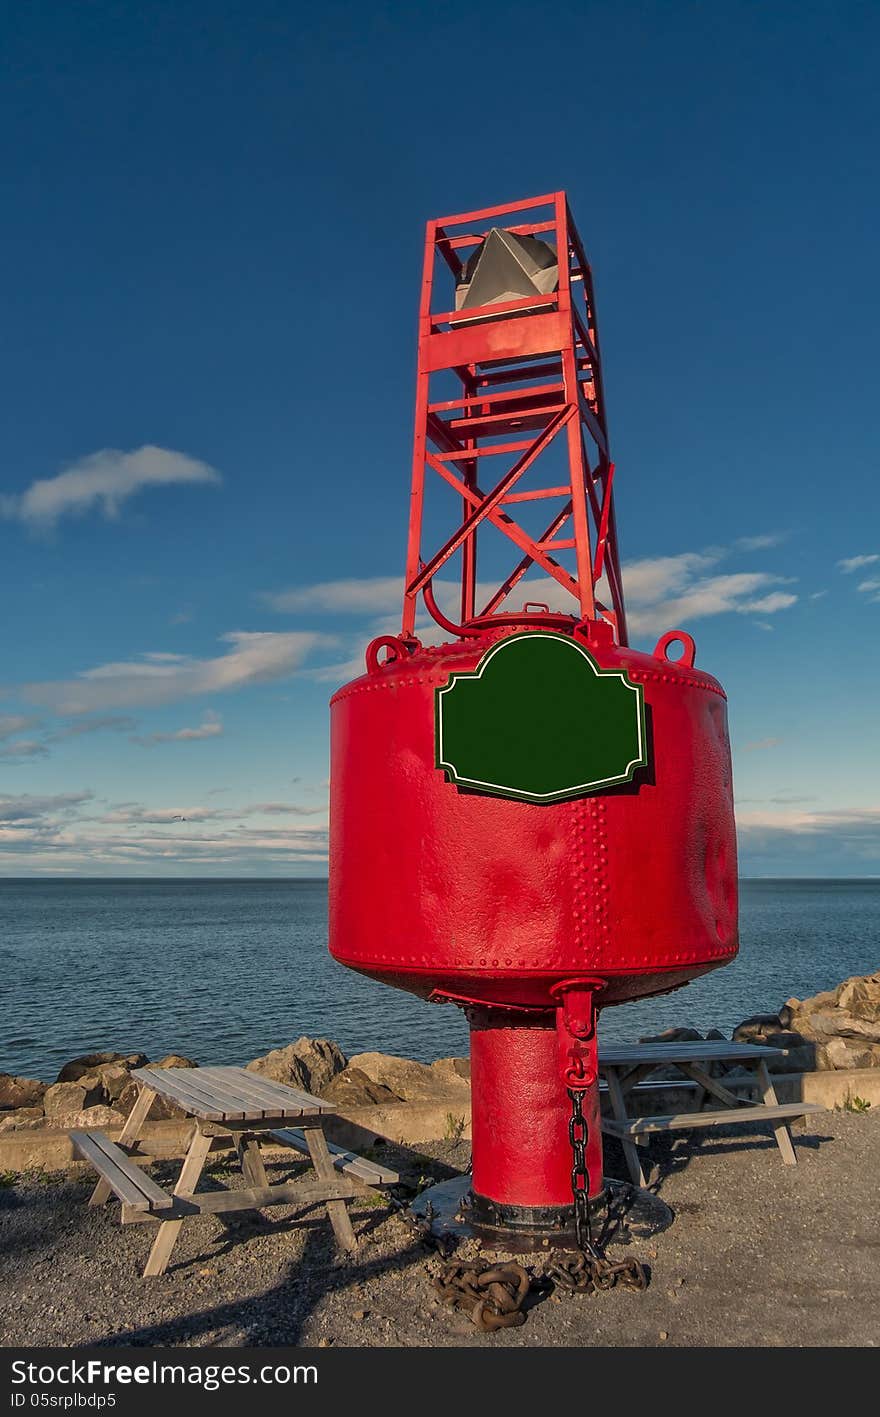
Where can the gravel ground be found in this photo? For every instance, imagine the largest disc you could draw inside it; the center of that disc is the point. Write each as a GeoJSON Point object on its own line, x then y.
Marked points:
{"type": "Point", "coordinates": [758, 1254]}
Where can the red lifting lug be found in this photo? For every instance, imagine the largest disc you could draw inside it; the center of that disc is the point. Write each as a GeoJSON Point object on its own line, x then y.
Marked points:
{"type": "Point", "coordinates": [576, 1027]}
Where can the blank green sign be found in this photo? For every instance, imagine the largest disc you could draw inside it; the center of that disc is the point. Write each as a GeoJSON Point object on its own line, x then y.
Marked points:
{"type": "Point", "coordinates": [540, 721]}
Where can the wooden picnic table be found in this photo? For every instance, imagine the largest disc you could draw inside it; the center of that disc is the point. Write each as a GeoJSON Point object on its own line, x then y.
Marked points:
{"type": "Point", "coordinates": [246, 1108]}
{"type": "Point", "coordinates": [628, 1067]}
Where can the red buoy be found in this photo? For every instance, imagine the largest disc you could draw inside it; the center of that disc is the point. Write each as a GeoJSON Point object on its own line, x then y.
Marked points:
{"type": "Point", "coordinates": [530, 820]}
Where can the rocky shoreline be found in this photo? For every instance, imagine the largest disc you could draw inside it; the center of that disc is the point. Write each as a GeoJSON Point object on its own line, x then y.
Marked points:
{"type": "Point", "coordinates": [837, 1030]}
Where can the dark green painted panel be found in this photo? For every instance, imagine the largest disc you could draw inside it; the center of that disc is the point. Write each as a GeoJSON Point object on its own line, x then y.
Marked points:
{"type": "Point", "coordinates": [539, 720]}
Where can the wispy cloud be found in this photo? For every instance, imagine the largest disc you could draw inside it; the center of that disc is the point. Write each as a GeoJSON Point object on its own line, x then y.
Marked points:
{"type": "Point", "coordinates": [11, 723]}
{"type": "Point", "coordinates": [866, 587]}
{"type": "Point", "coordinates": [50, 834]}
{"type": "Point", "coordinates": [675, 590]}
{"type": "Point", "coordinates": [115, 723]}
{"type": "Point", "coordinates": [28, 807]}
{"type": "Point", "coordinates": [661, 592]}
{"type": "Point", "coordinates": [761, 745]}
{"type": "Point", "coordinates": [761, 543]}
{"type": "Point", "coordinates": [23, 748]}
{"type": "Point", "coordinates": [133, 814]}
{"type": "Point", "coordinates": [810, 842]}
{"type": "Point", "coordinates": [210, 727]}
{"type": "Point", "coordinates": [105, 480]}
{"type": "Point", "coordinates": [370, 595]}
{"type": "Point", "coordinates": [258, 657]}
{"type": "Point", "coordinates": [854, 819]}
{"type": "Point", "coordinates": [855, 563]}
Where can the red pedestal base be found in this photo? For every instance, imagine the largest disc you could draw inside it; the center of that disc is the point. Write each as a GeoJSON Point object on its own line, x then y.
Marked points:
{"type": "Point", "coordinates": [522, 1155]}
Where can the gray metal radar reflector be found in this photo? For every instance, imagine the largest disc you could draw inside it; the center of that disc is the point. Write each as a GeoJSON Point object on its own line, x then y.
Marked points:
{"type": "Point", "coordinates": [506, 267]}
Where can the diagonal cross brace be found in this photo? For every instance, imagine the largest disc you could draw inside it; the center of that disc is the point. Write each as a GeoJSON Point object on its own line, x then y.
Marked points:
{"type": "Point", "coordinates": [488, 506]}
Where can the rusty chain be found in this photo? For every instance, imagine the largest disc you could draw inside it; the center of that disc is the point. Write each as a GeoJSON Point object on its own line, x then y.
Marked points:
{"type": "Point", "coordinates": [492, 1296]}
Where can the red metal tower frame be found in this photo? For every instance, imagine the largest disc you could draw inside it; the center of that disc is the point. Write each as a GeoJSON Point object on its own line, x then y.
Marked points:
{"type": "Point", "coordinates": [529, 366]}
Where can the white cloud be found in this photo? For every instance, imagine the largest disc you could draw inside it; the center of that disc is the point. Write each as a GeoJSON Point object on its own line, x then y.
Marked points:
{"type": "Point", "coordinates": [210, 727]}
{"type": "Point", "coordinates": [106, 479]}
{"type": "Point", "coordinates": [660, 592]}
{"type": "Point", "coordinates": [253, 658]}
{"type": "Point", "coordinates": [854, 819]}
{"type": "Point", "coordinates": [651, 607]}
{"type": "Point", "coordinates": [855, 563]}
{"type": "Point", "coordinates": [761, 745]}
{"type": "Point", "coordinates": [371, 595]}
{"type": "Point", "coordinates": [867, 586]}
{"type": "Point", "coordinates": [767, 604]}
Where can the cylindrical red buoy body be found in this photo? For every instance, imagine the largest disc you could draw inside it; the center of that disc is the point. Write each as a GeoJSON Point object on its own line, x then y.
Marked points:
{"type": "Point", "coordinates": [438, 889]}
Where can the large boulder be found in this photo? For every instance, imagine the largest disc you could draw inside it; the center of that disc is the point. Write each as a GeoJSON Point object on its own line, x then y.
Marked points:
{"type": "Point", "coordinates": [456, 1069]}
{"type": "Point", "coordinates": [851, 1053]}
{"type": "Point", "coordinates": [22, 1119]}
{"type": "Point", "coordinates": [674, 1035]}
{"type": "Point", "coordinates": [837, 1028]}
{"type": "Point", "coordinates": [309, 1064]}
{"type": "Point", "coordinates": [352, 1088]}
{"type": "Point", "coordinates": [63, 1099]}
{"type": "Point", "coordinates": [756, 1028]}
{"type": "Point", "coordinates": [91, 1063]}
{"type": "Point", "coordinates": [18, 1092]}
{"type": "Point", "coordinates": [861, 997]}
{"type": "Point", "coordinates": [412, 1081]}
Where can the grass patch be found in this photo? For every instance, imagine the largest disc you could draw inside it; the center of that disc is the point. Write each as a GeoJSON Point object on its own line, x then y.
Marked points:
{"type": "Point", "coordinates": [855, 1104]}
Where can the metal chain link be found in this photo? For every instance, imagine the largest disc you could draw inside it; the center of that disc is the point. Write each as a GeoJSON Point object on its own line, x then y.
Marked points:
{"type": "Point", "coordinates": [589, 1270]}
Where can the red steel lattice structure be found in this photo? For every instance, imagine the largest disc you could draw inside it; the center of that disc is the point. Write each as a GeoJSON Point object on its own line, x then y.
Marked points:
{"type": "Point", "coordinates": [529, 376]}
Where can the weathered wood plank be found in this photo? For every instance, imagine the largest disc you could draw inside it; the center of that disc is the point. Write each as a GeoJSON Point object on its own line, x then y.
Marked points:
{"type": "Point", "coordinates": [254, 1198]}
{"type": "Point", "coordinates": [166, 1236]}
{"type": "Point", "coordinates": [781, 1132]}
{"type": "Point", "coordinates": [336, 1209]}
{"type": "Point", "coordinates": [127, 1181]}
{"type": "Point", "coordinates": [736, 1115]}
{"type": "Point", "coordinates": [235, 1102]}
{"type": "Point", "coordinates": [194, 1097]}
{"type": "Point", "coordinates": [346, 1161]}
{"type": "Point", "coordinates": [131, 1130]}
{"type": "Point", "coordinates": [269, 1092]}
{"type": "Point", "coordinates": [630, 1152]}
{"type": "Point", "coordinates": [713, 1050]}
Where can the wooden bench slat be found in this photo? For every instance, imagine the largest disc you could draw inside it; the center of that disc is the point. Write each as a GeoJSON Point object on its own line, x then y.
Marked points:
{"type": "Point", "coordinates": [194, 1096]}
{"type": "Point", "coordinates": [278, 1098]}
{"type": "Point", "coordinates": [682, 1120]}
{"type": "Point", "coordinates": [347, 1161]}
{"type": "Point", "coordinates": [127, 1181]}
{"type": "Point", "coordinates": [298, 1193]}
{"type": "Point", "coordinates": [715, 1050]}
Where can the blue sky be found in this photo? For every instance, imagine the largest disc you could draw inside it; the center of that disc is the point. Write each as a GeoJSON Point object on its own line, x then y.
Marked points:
{"type": "Point", "coordinates": [211, 252]}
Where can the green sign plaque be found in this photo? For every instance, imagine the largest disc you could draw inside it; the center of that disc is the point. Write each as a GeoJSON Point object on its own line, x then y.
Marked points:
{"type": "Point", "coordinates": [539, 721]}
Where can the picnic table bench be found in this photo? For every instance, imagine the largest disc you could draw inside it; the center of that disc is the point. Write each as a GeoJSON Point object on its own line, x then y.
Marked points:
{"type": "Point", "coordinates": [246, 1107]}
{"type": "Point", "coordinates": [625, 1069]}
